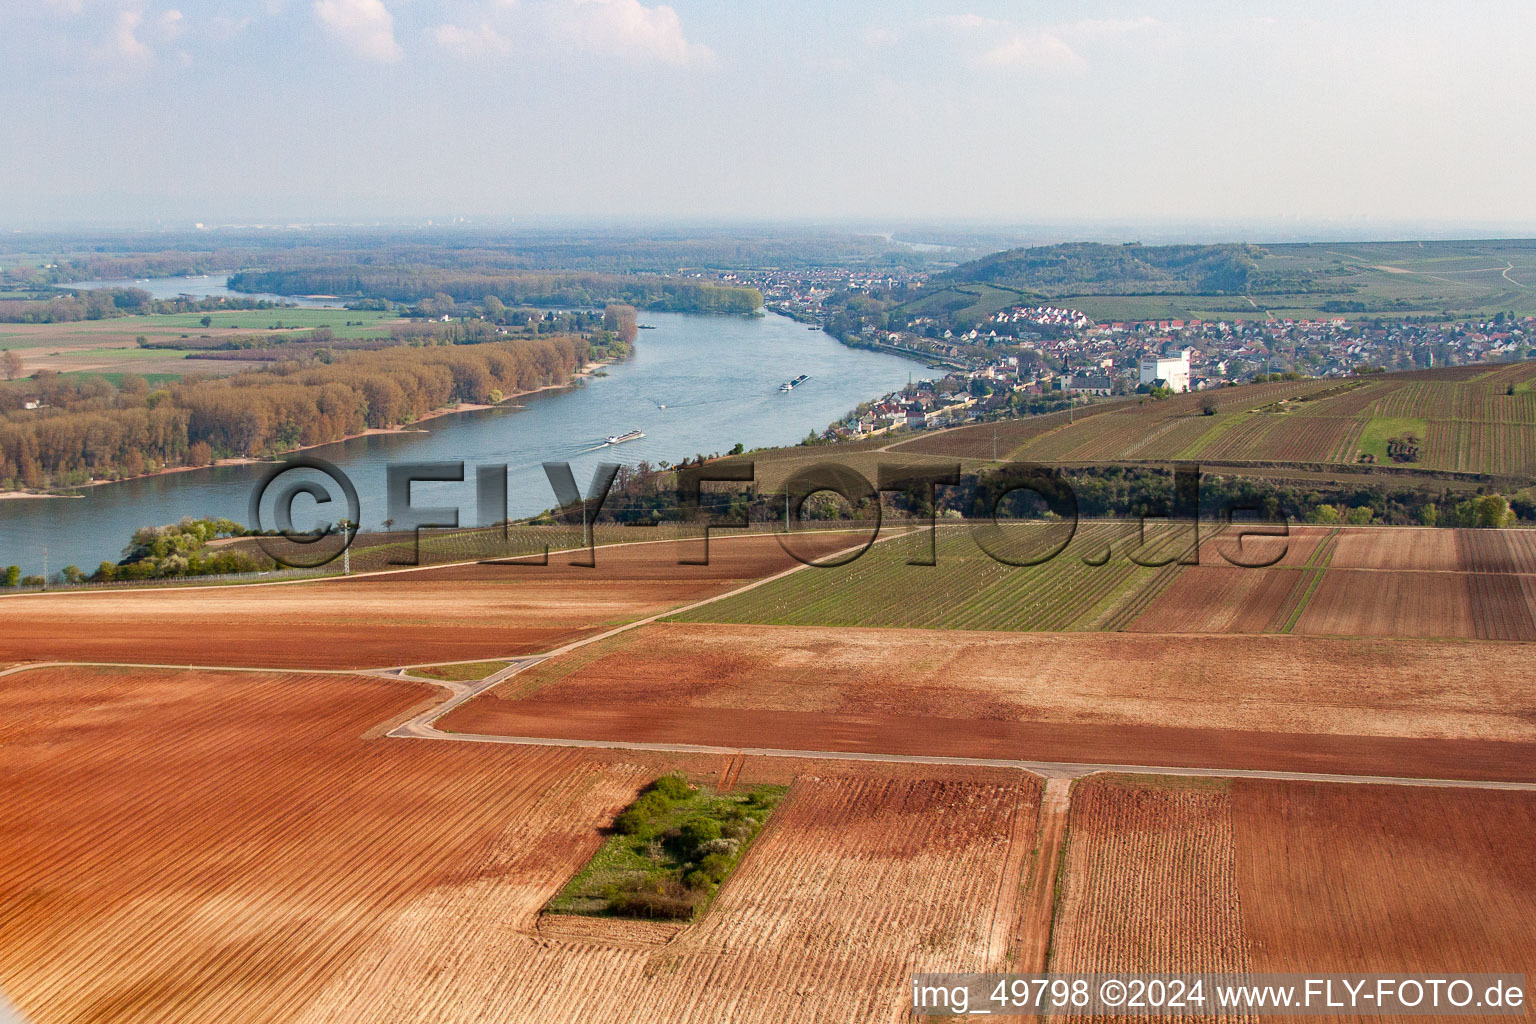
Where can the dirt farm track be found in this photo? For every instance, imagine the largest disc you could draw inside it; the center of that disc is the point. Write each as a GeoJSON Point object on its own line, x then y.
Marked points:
{"type": "Point", "coordinates": [448, 613]}
{"type": "Point", "coordinates": [1400, 708]}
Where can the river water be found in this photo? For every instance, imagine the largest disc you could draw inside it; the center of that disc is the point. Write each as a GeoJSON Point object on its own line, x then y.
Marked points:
{"type": "Point", "coordinates": [695, 384]}
{"type": "Point", "coordinates": [208, 286]}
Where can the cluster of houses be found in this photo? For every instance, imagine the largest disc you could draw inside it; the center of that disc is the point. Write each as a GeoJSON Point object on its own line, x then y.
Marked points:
{"type": "Point", "coordinates": [1043, 348]}
{"type": "Point", "coordinates": [920, 406]}
{"type": "Point", "coordinates": [1043, 316]}
{"type": "Point", "coordinates": [800, 293]}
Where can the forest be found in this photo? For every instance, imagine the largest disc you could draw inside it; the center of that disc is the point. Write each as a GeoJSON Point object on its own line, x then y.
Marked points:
{"type": "Point", "coordinates": [108, 256]}
{"type": "Point", "coordinates": [85, 429]}
{"type": "Point", "coordinates": [109, 303]}
{"type": "Point", "coordinates": [413, 284]}
{"type": "Point", "coordinates": [1090, 268]}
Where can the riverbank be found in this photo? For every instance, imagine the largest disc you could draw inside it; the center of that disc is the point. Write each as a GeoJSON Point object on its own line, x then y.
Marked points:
{"type": "Point", "coordinates": [414, 427]}
{"type": "Point", "coordinates": [694, 384]}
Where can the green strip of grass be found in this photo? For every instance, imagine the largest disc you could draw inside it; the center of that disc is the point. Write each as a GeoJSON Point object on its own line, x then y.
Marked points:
{"type": "Point", "coordinates": [1381, 429]}
{"type": "Point", "coordinates": [1306, 597]}
{"type": "Point", "coordinates": [467, 672]}
{"type": "Point", "coordinates": [669, 852]}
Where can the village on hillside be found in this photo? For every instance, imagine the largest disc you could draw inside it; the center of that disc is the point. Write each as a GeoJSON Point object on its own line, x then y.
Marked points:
{"type": "Point", "coordinates": [1039, 358]}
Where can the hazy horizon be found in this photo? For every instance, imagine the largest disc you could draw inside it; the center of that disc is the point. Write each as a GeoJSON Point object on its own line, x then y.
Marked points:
{"type": "Point", "coordinates": [1183, 121]}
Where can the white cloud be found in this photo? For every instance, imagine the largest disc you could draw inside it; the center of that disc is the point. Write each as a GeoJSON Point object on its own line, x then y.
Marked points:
{"type": "Point", "coordinates": [967, 22]}
{"type": "Point", "coordinates": [471, 42]}
{"type": "Point", "coordinates": [1100, 28]}
{"type": "Point", "coordinates": [125, 39]}
{"type": "Point", "coordinates": [223, 29]}
{"type": "Point", "coordinates": [1044, 49]}
{"type": "Point", "coordinates": [1037, 51]}
{"type": "Point", "coordinates": [364, 26]}
{"type": "Point", "coordinates": [171, 24]}
{"type": "Point", "coordinates": [628, 28]}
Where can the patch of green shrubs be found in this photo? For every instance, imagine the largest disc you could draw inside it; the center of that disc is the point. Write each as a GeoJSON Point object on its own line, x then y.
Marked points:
{"type": "Point", "coordinates": [669, 851]}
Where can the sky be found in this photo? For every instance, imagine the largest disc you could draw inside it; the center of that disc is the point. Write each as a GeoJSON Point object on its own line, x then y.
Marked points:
{"type": "Point", "coordinates": [1248, 113]}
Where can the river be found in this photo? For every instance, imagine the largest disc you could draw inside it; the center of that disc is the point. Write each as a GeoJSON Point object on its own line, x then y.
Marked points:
{"type": "Point", "coordinates": [208, 286]}
{"type": "Point", "coordinates": [695, 384]}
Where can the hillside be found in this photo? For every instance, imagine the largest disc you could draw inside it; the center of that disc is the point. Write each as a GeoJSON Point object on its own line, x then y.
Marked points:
{"type": "Point", "coordinates": [1436, 279]}
{"type": "Point", "coordinates": [1465, 419]}
{"type": "Point", "coordinates": [1089, 268]}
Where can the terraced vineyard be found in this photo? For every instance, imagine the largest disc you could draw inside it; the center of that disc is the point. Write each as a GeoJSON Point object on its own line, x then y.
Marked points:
{"type": "Point", "coordinates": [1471, 421]}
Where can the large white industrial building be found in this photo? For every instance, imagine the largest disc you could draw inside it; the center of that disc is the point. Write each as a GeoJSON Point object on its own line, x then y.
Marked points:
{"type": "Point", "coordinates": [1173, 371]}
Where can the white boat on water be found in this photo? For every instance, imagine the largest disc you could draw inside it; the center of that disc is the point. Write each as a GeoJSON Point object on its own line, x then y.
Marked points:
{"type": "Point", "coordinates": [633, 435]}
{"type": "Point", "coordinates": [790, 385]}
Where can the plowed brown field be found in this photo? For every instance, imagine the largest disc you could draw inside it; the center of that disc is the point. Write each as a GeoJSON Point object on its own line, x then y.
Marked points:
{"type": "Point", "coordinates": [1387, 707]}
{"type": "Point", "coordinates": [1224, 599]}
{"type": "Point", "coordinates": [218, 846]}
{"type": "Point", "coordinates": [1375, 548]}
{"type": "Point", "coordinates": [453, 613]}
{"type": "Point", "coordinates": [855, 884]}
{"type": "Point", "coordinates": [1149, 882]}
{"type": "Point", "coordinates": [1253, 875]}
{"type": "Point", "coordinates": [1471, 584]}
{"type": "Point", "coordinates": [193, 847]}
{"type": "Point", "coordinates": [1351, 602]}
{"type": "Point", "coordinates": [1385, 878]}
{"type": "Point", "coordinates": [1225, 548]}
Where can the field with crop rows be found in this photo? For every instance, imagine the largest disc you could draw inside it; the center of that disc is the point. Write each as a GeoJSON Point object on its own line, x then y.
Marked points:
{"type": "Point", "coordinates": [1080, 436]}
{"type": "Point", "coordinates": [204, 846]}
{"type": "Point", "coordinates": [966, 588]}
{"type": "Point", "coordinates": [1385, 878]}
{"type": "Point", "coordinates": [444, 613]}
{"type": "Point", "coordinates": [996, 440]}
{"type": "Point", "coordinates": [1148, 883]}
{"type": "Point", "coordinates": [1225, 599]}
{"type": "Point", "coordinates": [1471, 424]}
{"type": "Point", "coordinates": [855, 884]}
{"type": "Point", "coordinates": [1173, 428]}
{"type": "Point", "coordinates": [1358, 603]}
{"type": "Point", "coordinates": [1255, 875]}
{"type": "Point", "coordinates": [1371, 581]}
{"type": "Point", "coordinates": [1405, 707]}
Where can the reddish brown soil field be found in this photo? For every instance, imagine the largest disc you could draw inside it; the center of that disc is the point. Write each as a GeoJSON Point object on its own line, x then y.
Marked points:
{"type": "Point", "coordinates": [1502, 608]}
{"type": "Point", "coordinates": [1497, 550]}
{"type": "Point", "coordinates": [1375, 548]}
{"type": "Point", "coordinates": [1385, 878]}
{"type": "Point", "coordinates": [456, 613]}
{"type": "Point", "coordinates": [1149, 883]}
{"type": "Point", "coordinates": [217, 846]}
{"type": "Point", "coordinates": [1227, 549]}
{"type": "Point", "coordinates": [1401, 549]}
{"type": "Point", "coordinates": [1255, 875]}
{"type": "Point", "coordinates": [1432, 550]}
{"type": "Point", "coordinates": [1352, 602]}
{"type": "Point", "coordinates": [1401, 708]}
{"type": "Point", "coordinates": [855, 884]}
{"type": "Point", "coordinates": [1378, 582]}
{"type": "Point", "coordinates": [234, 847]}
{"type": "Point", "coordinates": [1224, 599]}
